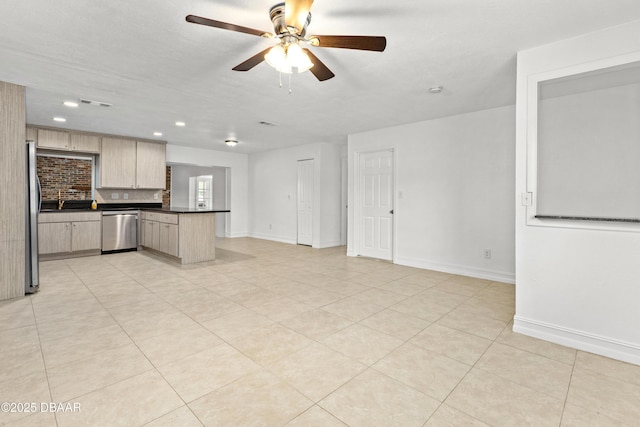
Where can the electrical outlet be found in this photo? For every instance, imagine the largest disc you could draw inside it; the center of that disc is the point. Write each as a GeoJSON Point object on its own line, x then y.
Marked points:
{"type": "Point", "coordinates": [115, 196]}
{"type": "Point", "coordinates": [487, 253]}
{"type": "Point", "coordinates": [125, 196]}
{"type": "Point", "coordinates": [155, 196]}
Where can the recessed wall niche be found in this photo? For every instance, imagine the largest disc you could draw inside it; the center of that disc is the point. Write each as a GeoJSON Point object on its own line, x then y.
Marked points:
{"type": "Point", "coordinates": [72, 176]}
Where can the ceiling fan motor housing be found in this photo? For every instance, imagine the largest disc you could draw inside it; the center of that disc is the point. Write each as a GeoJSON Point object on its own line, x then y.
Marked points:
{"type": "Point", "coordinates": [276, 13]}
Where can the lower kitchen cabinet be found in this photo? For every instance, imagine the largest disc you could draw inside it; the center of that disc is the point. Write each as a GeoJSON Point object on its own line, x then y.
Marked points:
{"type": "Point", "coordinates": [188, 237]}
{"type": "Point", "coordinates": [169, 239]}
{"type": "Point", "coordinates": [160, 232]}
{"type": "Point", "coordinates": [54, 237]}
{"type": "Point", "coordinates": [86, 235]}
{"type": "Point", "coordinates": [69, 233]}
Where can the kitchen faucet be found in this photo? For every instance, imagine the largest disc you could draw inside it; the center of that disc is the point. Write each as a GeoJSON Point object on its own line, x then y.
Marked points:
{"type": "Point", "coordinates": [60, 201]}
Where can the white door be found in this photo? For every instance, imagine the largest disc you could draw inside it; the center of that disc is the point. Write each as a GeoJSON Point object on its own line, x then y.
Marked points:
{"type": "Point", "coordinates": [305, 202]}
{"type": "Point", "coordinates": [376, 204]}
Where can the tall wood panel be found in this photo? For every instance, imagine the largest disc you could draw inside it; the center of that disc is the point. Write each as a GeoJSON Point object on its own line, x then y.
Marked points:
{"type": "Point", "coordinates": [12, 190]}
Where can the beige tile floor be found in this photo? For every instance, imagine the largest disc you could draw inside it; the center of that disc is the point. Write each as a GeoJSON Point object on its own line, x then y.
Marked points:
{"type": "Point", "coordinates": [276, 334]}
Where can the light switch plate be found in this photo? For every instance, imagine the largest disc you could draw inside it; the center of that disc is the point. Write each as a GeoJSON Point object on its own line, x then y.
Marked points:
{"type": "Point", "coordinates": [527, 199]}
{"type": "Point", "coordinates": [115, 196]}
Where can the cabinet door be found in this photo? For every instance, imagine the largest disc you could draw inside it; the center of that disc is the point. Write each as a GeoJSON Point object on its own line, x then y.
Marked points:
{"type": "Point", "coordinates": [85, 143]}
{"type": "Point", "coordinates": [53, 139]}
{"type": "Point", "coordinates": [54, 237]}
{"type": "Point", "coordinates": [146, 231]}
{"type": "Point", "coordinates": [155, 235]}
{"type": "Point", "coordinates": [86, 235]}
{"type": "Point", "coordinates": [117, 163]}
{"type": "Point", "coordinates": [151, 165]}
{"type": "Point", "coordinates": [169, 239]}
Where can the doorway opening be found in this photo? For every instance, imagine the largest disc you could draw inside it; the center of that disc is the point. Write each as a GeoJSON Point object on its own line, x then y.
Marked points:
{"type": "Point", "coordinates": [305, 202]}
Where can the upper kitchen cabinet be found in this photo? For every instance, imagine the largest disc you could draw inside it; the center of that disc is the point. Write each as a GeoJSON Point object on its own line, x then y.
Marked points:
{"type": "Point", "coordinates": [151, 160]}
{"type": "Point", "coordinates": [118, 163]}
{"type": "Point", "coordinates": [85, 143]}
{"type": "Point", "coordinates": [50, 139]}
{"type": "Point", "coordinates": [126, 163]}
{"type": "Point", "coordinates": [53, 139]}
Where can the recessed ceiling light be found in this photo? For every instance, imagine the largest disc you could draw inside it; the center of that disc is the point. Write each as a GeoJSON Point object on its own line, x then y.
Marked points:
{"type": "Point", "coordinates": [436, 89]}
{"type": "Point", "coordinates": [157, 134]}
{"type": "Point", "coordinates": [181, 124]}
{"type": "Point", "coordinates": [231, 142]}
{"type": "Point", "coordinates": [70, 104]}
{"type": "Point", "coordinates": [59, 119]}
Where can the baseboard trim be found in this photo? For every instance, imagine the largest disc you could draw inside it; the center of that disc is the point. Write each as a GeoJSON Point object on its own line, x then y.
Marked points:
{"type": "Point", "coordinates": [236, 235]}
{"type": "Point", "coordinates": [592, 343]}
{"type": "Point", "coordinates": [498, 276]}
{"type": "Point", "coordinates": [273, 238]}
{"type": "Point", "coordinates": [322, 245]}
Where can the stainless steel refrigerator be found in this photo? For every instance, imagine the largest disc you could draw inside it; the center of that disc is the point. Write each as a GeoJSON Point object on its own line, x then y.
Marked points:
{"type": "Point", "coordinates": [33, 202]}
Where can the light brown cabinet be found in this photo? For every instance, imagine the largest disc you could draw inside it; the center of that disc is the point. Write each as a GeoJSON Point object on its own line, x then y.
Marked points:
{"type": "Point", "coordinates": [54, 237]}
{"type": "Point", "coordinates": [168, 239]}
{"type": "Point", "coordinates": [151, 160]}
{"type": "Point", "coordinates": [53, 139]}
{"type": "Point", "coordinates": [69, 233]}
{"type": "Point", "coordinates": [118, 163]}
{"type": "Point", "coordinates": [126, 163]}
{"type": "Point", "coordinates": [85, 143]}
{"type": "Point", "coordinates": [50, 139]}
{"type": "Point", "coordinates": [189, 237]}
{"type": "Point", "coordinates": [86, 235]}
{"type": "Point", "coordinates": [160, 232]}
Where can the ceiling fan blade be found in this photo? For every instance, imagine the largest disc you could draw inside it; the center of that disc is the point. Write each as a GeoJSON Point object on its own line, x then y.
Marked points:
{"type": "Point", "coordinates": [251, 62]}
{"type": "Point", "coordinates": [374, 43]}
{"type": "Point", "coordinates": [224, 25]}
{"type": "Point", "coordinates": [296, 12]}
{"type": "Point", "coordinates": [319, 70]}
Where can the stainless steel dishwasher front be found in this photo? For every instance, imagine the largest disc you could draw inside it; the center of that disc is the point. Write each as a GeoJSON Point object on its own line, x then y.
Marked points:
{"type": "Point", "coordinates": [119, 230]}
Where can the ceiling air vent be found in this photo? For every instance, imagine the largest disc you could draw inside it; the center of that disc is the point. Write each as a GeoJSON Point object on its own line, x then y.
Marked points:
{"type": "Point", "coordinates": [95, 103]}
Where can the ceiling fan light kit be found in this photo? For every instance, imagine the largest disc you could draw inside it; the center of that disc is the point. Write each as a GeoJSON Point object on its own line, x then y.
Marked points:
{"type": "Point", "coordinates": [290, 21]}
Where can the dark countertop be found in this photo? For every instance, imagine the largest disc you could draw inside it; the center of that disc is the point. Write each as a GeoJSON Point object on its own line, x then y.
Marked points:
{"type": "Point", "coordinates": [185, 210]}
{"type": "Point", "coordinates": [153, 207]}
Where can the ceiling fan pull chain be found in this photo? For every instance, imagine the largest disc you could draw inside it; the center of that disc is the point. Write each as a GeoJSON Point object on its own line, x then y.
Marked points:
{"type": "Point", "coordinates": [290, 83]}
{"type": "Point", "coordinates": [280, 78]}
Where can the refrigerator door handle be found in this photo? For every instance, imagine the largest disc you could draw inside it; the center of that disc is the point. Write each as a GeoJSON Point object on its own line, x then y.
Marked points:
{"type": "Point", "coordinates": [39, 189]}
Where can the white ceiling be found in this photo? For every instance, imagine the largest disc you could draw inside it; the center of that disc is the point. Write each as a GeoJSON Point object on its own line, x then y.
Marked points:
{"type": "Point", "coordinates": [155, 68]}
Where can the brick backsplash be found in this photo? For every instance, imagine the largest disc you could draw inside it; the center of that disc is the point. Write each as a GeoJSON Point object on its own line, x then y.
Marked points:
{"type": "Point", "coordinates": [72, 177]}
{"type": "Point", "coordinates": [166, 194]}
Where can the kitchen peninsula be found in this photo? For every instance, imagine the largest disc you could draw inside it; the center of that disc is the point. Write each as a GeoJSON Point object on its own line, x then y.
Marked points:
{"type": "Point", "coordinates": [184, 234]}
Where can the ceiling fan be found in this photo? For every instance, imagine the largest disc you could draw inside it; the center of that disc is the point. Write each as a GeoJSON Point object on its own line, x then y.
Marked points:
{"type": "Point", "coordinates": [290, 20]}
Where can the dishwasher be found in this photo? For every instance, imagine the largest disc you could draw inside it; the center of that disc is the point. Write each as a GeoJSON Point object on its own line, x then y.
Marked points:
{"type": "Point", "coordinates": [119, 231]}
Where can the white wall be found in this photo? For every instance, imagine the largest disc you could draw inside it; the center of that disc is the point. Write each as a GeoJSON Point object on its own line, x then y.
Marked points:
{"type": "Point", "coordinates": [237, 220]}
{"type": "Point", "coordinates": [273, 192]}
{"type": "Point", "coordinates": [456, 176]}
{"type": "Point", "coordinates": [575, 286]}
